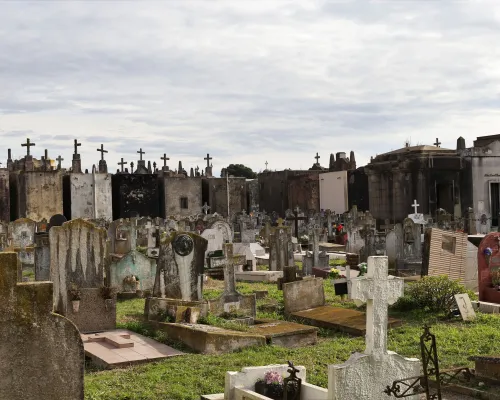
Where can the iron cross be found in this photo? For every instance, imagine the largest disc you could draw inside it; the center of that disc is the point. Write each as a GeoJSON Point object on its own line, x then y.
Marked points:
{"type": "Point", "coordinates": [140, 152]}
{"type": "Point", "coordinates": [266, 164]}
{"type": "Point", "coordinates": [28, 144]}
{"type": "Point", "coordinates": [208, 158]}
{"type": "Point", "coordinates": [102, 151]}
{"type": "Point", "coordinates": [165, 159]}
{"type": "Point", "coordinates": [438, 143]}
{"type": "Point", "coordinates": [122, 163]}
{"type": "Point", "coordinates": [317, 158]}
{"type": "Point", "coordinates": [59, 159]}
{"type": "Point", "coordinates": [76, 146]}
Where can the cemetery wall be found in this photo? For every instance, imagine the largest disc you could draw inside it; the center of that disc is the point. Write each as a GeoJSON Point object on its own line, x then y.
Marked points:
{"type": "Point", "coordinates": [177, 188]}
{"type": "Point", "coordinates": [90, 196]}
{"type": "Point", "coordinates": [358, 194]}
{"type": "Point", "coordinates": [303, 191]}
{"type": "Point", "coordinates": [252, 194]}
{"type": "Point", "coordinates": [273, 190]}
{"type": "Point", "coordinates": [39, 194]}
{"type": "Point", "coordinates": [4, 196]}
{"type": "Point", "coordinates": [216, 190]}
{"type": "Point", "coordinates": [136, 195]}
{"type": "Point", "coordinates": [333, 192]}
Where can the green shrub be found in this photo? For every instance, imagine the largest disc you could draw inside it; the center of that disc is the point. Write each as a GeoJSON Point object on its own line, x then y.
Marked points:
{"type": "Point", "coordinates": [432, 293]}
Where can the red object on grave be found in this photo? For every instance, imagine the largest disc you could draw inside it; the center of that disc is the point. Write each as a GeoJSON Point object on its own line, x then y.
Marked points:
{"type": "Point", "coordinates": [487, 263]}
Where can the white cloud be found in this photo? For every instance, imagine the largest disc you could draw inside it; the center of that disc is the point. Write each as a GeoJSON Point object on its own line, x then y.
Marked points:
{"type": "Point", "coordinates": [246, 81]}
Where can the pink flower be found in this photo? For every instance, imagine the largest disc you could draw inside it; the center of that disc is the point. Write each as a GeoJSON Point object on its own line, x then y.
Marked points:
{"type": "Point", "coordinates": [273, 377]}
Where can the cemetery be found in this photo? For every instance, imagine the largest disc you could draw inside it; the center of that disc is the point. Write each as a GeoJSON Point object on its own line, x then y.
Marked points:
{"type": "Point", "coordinates": [129, 272]}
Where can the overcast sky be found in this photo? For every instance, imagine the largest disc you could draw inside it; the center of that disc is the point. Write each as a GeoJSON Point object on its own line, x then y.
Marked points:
{"type": "Point", "coordinates": [247, 81]}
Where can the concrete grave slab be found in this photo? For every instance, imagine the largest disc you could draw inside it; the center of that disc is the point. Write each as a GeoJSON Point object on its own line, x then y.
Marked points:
{"type": "Point", "coordinates": [208, 339]}
{"type": "Point", "coordinates": [284, 333]}
{"type": "Point", "coordinates": [259, 276]}
{"type": "Point", "coordinates": [122, 348]}
{"type": "Point", "coordinates": [305, 300]}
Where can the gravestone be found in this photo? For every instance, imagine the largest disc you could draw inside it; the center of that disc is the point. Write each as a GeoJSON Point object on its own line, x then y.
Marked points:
{"type": "Point", "coordinates": [4, 235]}
{"type": "Point", "coordinates": [316, 258]}
{"type": "Point", "coordinates": [465, 307]}
{"type": "Point", "coordinates": [280, 248]}
{"type": "Point", "coordinates": [79, 257]}
{"type": "Point", "coordinates": [180, 267]}
{"type": "Point", "coordinates": [224, 228]}
{"type": "Point", "coordinates": [215, 239]}
{"type": "Point", "coordinates": [366, 375]}
{"type": "Point", "coordinates": [22, 233]}
{"type": "Point", "coordinates": [488, 260]}
{"type": "Point", "coordinates": [231, 300]}
{"type": "Point", "coordinates": [42, 256]}
{"type": "Point", "coordinates": [42, 353]}
{"type": "Point", "coordinates": [123, 236]}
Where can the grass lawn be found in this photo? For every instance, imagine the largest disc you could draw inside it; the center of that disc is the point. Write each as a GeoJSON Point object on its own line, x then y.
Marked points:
{"type": "Point", "coordinates": [188, 377]}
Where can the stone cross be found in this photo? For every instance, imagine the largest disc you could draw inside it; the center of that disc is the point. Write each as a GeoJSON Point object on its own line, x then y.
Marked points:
{"type": "Point", "coordinates": [208, 158]}
{"type": "Point", "coordinates": [229, 274]}
{"type": "Point", "coordinates": [122, 163]}
{"type": "Point", "coordinates": [266, 164]}
{"type": "Point", "coordinates": [366, 375]}
{"type": "Point", "coordinates": [317, 158]}
{"type": "Point", "coordinates": [131, 167]}
{"type": "Point", "coordinates": [76, 144]}
{"type": "Point", "coordinates": [28, 144]}
{"type": "Point", "coordinates": [165, 159]}
{"type": "Point", "coordinates": [59, 159]}
{"type": "Point", "coordinates": [102, 151]}
{"type": "Point", "coordinates": [377, 290]}
{"type": "Point", "coordinates": [415, 206]}
{"type": "Point", "coordinates": [140, 152]}
{"type": "Point", "coordinates": [205, 208]}
{"type": "Point", "coordinates": [438, 143]}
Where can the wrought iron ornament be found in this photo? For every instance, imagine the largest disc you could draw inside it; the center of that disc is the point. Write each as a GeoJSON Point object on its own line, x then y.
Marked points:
{"type": "Point", "coordinates": [292, 384]}
{"type": "Point", "coordinates": [430, 364]}
{"type": "Point", "coordinates": [183, 245]}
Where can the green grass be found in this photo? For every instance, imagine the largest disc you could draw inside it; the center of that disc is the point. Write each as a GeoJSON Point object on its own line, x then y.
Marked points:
{"type": "Point", "coordinates": [189, 376]}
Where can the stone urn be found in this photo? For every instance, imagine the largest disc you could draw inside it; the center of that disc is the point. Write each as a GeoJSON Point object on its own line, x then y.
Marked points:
{"type": "Point", "coordinates": [76, 305]}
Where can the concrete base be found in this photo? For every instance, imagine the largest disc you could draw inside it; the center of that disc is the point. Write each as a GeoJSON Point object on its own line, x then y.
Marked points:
{"type": "Point", "coordinates": [341, 319]}
{"type": "Point", "coordinates": [285, 334]}
{"type": "Point", "coordinates": [208, 339]}
{"type": "Point", "coordinates": [259, 276]}
{"type": "Point", "coordinates": [121, 348]}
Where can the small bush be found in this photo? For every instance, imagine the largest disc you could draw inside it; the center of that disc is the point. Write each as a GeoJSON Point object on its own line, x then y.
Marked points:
{"type": "Point", "coordinates": [432, 293]}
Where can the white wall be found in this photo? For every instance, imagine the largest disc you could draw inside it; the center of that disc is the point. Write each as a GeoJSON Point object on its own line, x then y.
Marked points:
{"type": "Point", "coordinates": [333, 191]}
{"type": "Point", "coordinates": [82, 196]}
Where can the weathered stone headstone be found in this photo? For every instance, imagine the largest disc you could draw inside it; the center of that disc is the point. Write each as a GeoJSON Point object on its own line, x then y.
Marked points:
{"type": "Point", "coordinates": [4, 235]}
{"type": "Point", "coordinates": [180, 267]}
{"type": "Point", "coordinates": [465, 306]}
{"type": "Point", "coordinates": [224, 228]}
{"type": "Point", "coordinates": [231, 300]}
{"type": "Point", "coordinates": [366, 375]}
{"type": "Point", "coordinates": [42, 257]}
{"type": "Point", "coordinates": [214, 238]}
{"type": "Point", "coordinates": [315, 258]}
{"type": "Point", "coordinates": [280, 248]}
{"type": "Point", "coordinates": [78, 259]}
{"type": "Point", "coordinates": [36, 344]}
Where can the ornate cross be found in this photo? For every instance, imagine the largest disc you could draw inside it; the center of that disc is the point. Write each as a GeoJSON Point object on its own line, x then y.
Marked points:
{"type": "Point", "coordinates": [165, 159]}
{"type": "Point", "coordinates": [438, 143]}
{"type": "Point", "coordinates": [317, 158]}
{"type": "Point", "coordinates": [122, 163]}
{"type": "Point", "coordinates": [59, 159]}
{"type": "Point", "coordinates": [76, 144]}
{"type": "Point", "coordinates": [208, 158]}
{"type": "Point", "coordinates": [102, 151]}
{"type": "Point", "coordinates": [140, 152]}
{"type": "Point", "coordinates": [205, 208]}
{"type": "Point", "coordinates": [377, 290]}
{"type": "Point", "coordinates": [415, 206]}
{"type": "Point", "coordinates": [28, 144]}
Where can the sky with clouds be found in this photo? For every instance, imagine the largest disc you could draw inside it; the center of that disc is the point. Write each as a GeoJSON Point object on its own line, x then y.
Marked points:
{"type": "Point", "coordinates": [247, 81]}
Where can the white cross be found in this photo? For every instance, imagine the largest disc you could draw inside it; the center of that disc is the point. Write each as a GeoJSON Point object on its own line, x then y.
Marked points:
{"type": "Point", "coordinates": [377, 290]}
{"type": "Point", "coordinates": [205, 208]}
{"type": "Point", "coordinates": [415, 206]}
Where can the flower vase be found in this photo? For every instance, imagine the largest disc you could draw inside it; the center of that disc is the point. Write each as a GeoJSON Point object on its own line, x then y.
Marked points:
{"type": "Point", "coordinates": [76, 305]}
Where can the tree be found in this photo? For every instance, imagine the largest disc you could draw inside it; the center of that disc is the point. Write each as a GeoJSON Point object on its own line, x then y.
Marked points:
{"type": "Point", "coordinates": [240, 171]}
